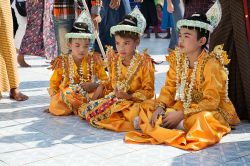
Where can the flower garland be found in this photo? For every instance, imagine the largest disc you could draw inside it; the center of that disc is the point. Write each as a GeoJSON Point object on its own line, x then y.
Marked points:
{"type": "Point", "coordinates": [90, 69]}
{"type": "Point", "coordinates": [188, 100]}
{"type": "Point", "coordinates": [134, 64]}
{"type": "Point", "coordinates": [72, 84]}
{"type": "Point", "coordinates": [180, 87]}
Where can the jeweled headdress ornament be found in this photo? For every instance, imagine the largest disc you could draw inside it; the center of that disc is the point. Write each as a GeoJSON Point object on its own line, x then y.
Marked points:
{"type": "Point", "coordinates": [132, 26]}
{"type": "Point", "coordinates": [82, 28]}
{"type": "Point", "coordinates": [213, 16]}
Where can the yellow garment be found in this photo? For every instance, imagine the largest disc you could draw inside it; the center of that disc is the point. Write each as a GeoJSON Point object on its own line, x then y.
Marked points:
{"type": "Point", "coordinates": [8, 70]}
{"type": "Point", "coordinates": [208, 118]}
{"type": "Point", "coordinates": [118, 115]}
{"type": "Point", "coordinates": [64, 101]}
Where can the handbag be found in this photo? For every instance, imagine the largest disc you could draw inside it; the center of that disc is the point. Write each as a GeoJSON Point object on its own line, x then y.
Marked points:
{"type": "Point", "coordinates": [21, 8]}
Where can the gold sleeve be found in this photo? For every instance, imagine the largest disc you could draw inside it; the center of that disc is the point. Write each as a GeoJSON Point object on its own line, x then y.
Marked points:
{"type": "Point", "coordinates": [147, 88]}
{"type": "Point", "coordinates": [167, 94]}
{"type": "Point", "coordinates": [55, 81]}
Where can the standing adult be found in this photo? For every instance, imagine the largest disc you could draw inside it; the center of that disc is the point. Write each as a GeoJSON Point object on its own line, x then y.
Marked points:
{"type": "Point", "coordinates": [65, 12]}
{"type": "Point", "coordinates": [19, 7]}
{"type": "Point", "coordinates": [177, 8]}
{"type": "Point", "coordinates": [232, 32]}
{"type": "Point", "coordinates": [32, 43]}
{"type": "Point", "coordinates": [148, 10]}
{"type": "Point", "coordinates": [50, 44]}
{"type": "Point", "coordinates": [195, 6]}
{"type": "Point", "coordinates": [112, 13]}
{"type": "Point", "coordinates": [8, 70]}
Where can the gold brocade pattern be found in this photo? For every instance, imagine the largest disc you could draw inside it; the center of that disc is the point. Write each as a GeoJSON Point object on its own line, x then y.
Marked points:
{"type": "Point", "coordinates": [64, 100]}
{"type": "Point", "coordinates": [118, 114]}
{"type": "Point", "coordinates": [207, 119]}
{"type": "Point", "coordinates": [197, 96]}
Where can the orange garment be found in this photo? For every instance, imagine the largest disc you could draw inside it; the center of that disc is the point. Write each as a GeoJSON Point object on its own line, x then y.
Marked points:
{"type": "Point", "coordinates": [8, 71]}
{"type": "Point", "coordinates": [64, 100]}
{"type": "Point", "coordinates": [209, 116]}
{"type": "Point", "coordinates": [118, 115]}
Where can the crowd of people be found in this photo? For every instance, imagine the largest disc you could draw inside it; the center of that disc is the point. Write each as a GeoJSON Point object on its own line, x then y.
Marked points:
{"type": "Point", "coordinates": [203, 97]}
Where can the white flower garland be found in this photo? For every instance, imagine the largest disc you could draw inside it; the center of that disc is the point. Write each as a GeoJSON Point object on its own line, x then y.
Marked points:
{"type": "Point", "coordinates": [134, 64]}
{"type": "Point", "coordinates": [188, 99]}
{"type": "Point", "coordinates": [180, 87]}
{"type": "Point", "coordinates": [71, 70]}
{"type": "Point", "coordinates": [90, 69]}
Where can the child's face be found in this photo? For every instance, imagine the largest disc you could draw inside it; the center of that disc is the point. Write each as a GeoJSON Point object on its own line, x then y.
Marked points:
{"type": "Point", "coordinates": [125, 46]}
{"type": "Point", "coordinates": [188, 42]}
{"type": "Point", "coordinates": [79, 47]}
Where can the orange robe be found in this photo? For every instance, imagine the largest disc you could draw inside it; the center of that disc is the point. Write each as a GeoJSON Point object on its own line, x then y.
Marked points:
{"type": "Point", "coordinates": [64, 101]}
{"type": "Point", "coordinates": [206, 120]}
{"type": "Point", "coordinates": [118, 115]}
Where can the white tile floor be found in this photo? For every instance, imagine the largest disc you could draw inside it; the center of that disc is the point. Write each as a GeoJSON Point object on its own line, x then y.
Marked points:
{"type": "Point", "coordinates": [30, 137]}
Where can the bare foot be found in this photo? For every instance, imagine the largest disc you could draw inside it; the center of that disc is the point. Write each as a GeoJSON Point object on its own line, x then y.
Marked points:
{"type": "Point", "coordinates": [157, 36]}
{"type": "Point", "coordinates": [46, 110]}
{"type": "Point", "coordinates": [17, 95]}
{"type": "Point", "coordinates": [137, 123]}
{"type": "Point", "coordinates": [21, 61]}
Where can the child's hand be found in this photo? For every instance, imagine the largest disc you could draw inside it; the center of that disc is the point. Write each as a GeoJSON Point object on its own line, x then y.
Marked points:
{"type": "Point", "coordinates": [89, 86]}
{"type": "Point", "coordinates": [172, 119]}
{"type": "Point", "coordinates": [98, 92]}
{"type": "Point", "coordinates": [159, 111]}
{"type": "Point", "coordinates": [122, 95]}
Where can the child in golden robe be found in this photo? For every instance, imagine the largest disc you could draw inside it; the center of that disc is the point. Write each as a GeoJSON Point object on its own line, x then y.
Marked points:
{"type": "Point", "coordinates": [76, 75]}
{"type": "Point", "coordinates": [193, 110]}
{"type": "Point", "coordinates": [131, 79]}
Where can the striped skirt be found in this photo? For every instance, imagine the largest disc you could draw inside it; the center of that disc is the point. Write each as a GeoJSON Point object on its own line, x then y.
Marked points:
{"type": "Point", "coordinates": [231, 32]}
{"type": "Point", "coordinates": [8, 70]}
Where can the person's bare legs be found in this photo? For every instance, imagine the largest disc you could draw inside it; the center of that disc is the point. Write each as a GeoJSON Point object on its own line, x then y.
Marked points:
{"type": "Point", "coordinates": [21, 61]}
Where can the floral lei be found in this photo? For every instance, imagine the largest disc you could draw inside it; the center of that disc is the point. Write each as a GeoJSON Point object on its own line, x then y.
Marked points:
{"type": "Point", "coordinates": [90, 77]}
{"type": "Point", "coordinates": [180, 86]}
{"type": "Point", "coordinates": [132, 68]}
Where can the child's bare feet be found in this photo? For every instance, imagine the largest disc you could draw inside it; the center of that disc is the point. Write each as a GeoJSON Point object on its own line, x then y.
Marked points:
{"type": "Point", "coordinates": [137, 123]}
{"type": "Point", "coordinates": [17, 95]}
{"type": "Point", "coordinates": [46, 110]}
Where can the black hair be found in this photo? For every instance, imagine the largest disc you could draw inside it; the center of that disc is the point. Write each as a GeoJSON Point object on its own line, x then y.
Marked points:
{"type": "Point", "coordinates": [200, 31]}
{"type": "Point", "coordinates": [79, 27]}
{"type": "Point", "coordinates": [128, 20]}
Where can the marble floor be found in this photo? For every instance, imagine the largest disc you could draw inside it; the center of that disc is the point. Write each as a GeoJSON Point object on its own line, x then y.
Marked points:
{"type": "Point", "coordinates": [28, 136]}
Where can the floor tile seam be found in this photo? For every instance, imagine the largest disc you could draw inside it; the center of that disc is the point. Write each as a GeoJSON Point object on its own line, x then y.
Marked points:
{"type": "Point", "coordinates": [236, 158]}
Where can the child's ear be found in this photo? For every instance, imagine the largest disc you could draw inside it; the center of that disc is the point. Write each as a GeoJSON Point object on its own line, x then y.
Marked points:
{"type": "Point", "coordinates": [203, 41]}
